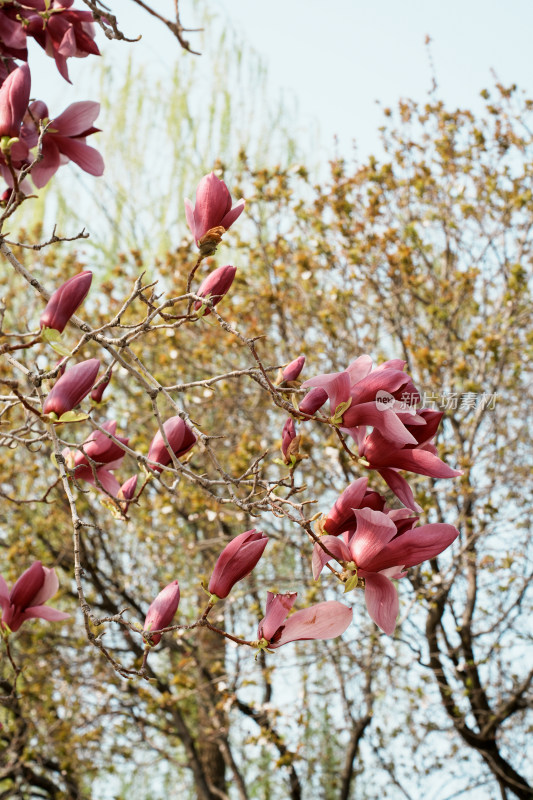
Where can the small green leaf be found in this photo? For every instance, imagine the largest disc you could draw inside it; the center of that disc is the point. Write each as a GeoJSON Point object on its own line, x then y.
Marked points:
{"type": "Point", "coordinates": [53, 338]}
{"type": "Point", "coordinates": [72, 416]}
{"type": "Point", "coordinates": [339, 411]}
{"type": "Point", "coordinates": [350, 584]}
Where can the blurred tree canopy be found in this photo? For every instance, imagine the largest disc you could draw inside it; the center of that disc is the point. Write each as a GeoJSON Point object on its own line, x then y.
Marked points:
{"type": "Point", "coordinates": [421, 253]}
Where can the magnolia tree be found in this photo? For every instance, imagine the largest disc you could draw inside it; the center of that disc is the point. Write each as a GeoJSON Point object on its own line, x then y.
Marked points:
{"type": "Point", "coordinates": [74, 356]}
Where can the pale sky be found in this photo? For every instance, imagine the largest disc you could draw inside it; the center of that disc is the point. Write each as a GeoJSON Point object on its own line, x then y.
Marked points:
{"type": "Point", "coordinates": [333, 59]}
{"type": "Point", "coordinates": [339, 56]}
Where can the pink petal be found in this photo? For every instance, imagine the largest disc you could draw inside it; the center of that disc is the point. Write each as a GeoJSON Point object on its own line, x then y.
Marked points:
{"type": "Point", "coordinates": [359, 369]}
{"type": "Point", "coordinates": [108, 480]}
{"type": "Point", "coordinates": [341, 515]}
{"type": "Point", "coordinates": [320, 557]}
{"type": "Point", "coordinates": [388, 380]}
{"type": "Point", "coordinates": [4, 594]}
{"type": "Point", "coordinates": [213, 202]}
{"type": "Point", "coordinates": [374, 531]}
{"type": "Point", "coordinates": [421, 462]}
{"type": "Point", "coordinates": [12, 33]}
{"type": "Point", "coordinates": [382, 602]}
{"type": "Point", "coordinates": [43, 170]}
{"type": "Point", "coordinates": [27, 586]}
{"type": "Point", "coordinates": [321, 621]}
{"type": "Point", "coordinates": [67, 46]}
{"type": "Point", "coordinates": [385, 420]}
{"type": "Point", "coordinates": [336, 384]}
{"type": "Point", "coordinates": [48, 589]}
{"type": "Point", "coordinates": [400, 487]}
{"type": "Point", "coordinates": [189, 215]}
{"type": "Point", "coordinates": [393, 363]}
{"type": "Point", "coordinates": [231, 216]}
{"type": "Point", "coordinates": [403, 519]}
{"type": "Point", "coordinates": [84, 156]}
{"type": "Point", "coordinates": [76, 118]}
{"type": "Point", "coordinates": [414, 546]}
{"type": "Point", "coordinates": [45, 612]}
{"type": "Point", "coordinates": [277, 608]}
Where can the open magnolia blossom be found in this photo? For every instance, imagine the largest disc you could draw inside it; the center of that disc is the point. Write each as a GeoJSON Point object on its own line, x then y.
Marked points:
{"type": "Point", "coordinates": [63, 139]}
{"type": "Point", "coordinates": [63, 32]}
{"type": "Point", "coordinates": [27, 598]}
{"type": "Point", "coordinates": [421, 457]}
{"type": "Point", "coordinates": [320, 621]}
{"type": "Point", "coordinates": [353, 394]}
{"type": "Point", "coordinates": [356, 495]}
{"type": "Point", "coordinates": [378, 550]}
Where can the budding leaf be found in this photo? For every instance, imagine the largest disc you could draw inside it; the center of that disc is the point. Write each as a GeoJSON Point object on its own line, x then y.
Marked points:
{"type": "Point", "coordinates": [339, 411]}
{"type": "Point", "coordinates": [350, 584]}
{"type": "Point", "coordinates": [53, 338]}
{"type": "Point", "coordinates": [72, 416]}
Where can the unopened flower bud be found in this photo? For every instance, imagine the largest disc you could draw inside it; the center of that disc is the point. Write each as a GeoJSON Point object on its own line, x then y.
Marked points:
{"type": "Point", "coordinates": [212, 209]}
{"type": "Point", "coordinates": [161, 612]}
{"type": "Point", "coordinates": [65, 301]}
{"type": "Point", "coordinates": [72, 387]}
{"type": "Point", "coordinates": [236, 561]}
{"type": "Point", "coordinates": [215, 286]}
{"type": "Point", "coordinates": [14, 98]}
{"type": "Point", "coordinates": [313, 401]}
{"type": "Point", "coordinates": [180, 438]}
{"type": "Point", "coordinates": [292, 370]}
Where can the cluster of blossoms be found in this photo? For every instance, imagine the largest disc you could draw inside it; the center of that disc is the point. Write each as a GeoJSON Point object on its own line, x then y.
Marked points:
{"type": "Point", "coordinates": [63, 33]}
{"type": "Point", "coordinates": [373, 544]}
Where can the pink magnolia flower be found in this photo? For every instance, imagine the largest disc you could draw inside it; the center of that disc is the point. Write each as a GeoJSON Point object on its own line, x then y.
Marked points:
{"type": "Point", "coordinates": [28, 597]}
{"type": "Point", "coordinates": [180, 438]}
{"type": "Point", "coordinates": [14, 99]}
{"type": "Point", "coordinates": [215, 286]}
{"type": "Point", "coordinates": [213, 207]}
{"type": "Point", "coordinates": [104, 451]}
{"type": "Point", "coordinates": [356, 495]}
{"type": "Point", "coordinates": [236, 561]}
{"type": "Point", "coordinates": [292, 371]}
{"type": "Point", "coordinates": [321, 621]}
{"type": "Point", "coordinates": [61, 31]}
{"type": "Point", "coordinates": [378, 551]}
{"type": "Point", "coordinates": [65, 301]}
{"type": "Point", "coordinates": [360, 387]}
{"type": "Point", "coordinates": [64, 139]}
{"type": "Point", "coordinates": [288, 436]}
{"type": "Point", "coordinates": [420, 458]}
{"type": "Point", "coordinates": [72, 387]}
{"type": "Point", "coordinates": [161, 612]}
{"type": "Point", "coordinates": [127, 490]}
